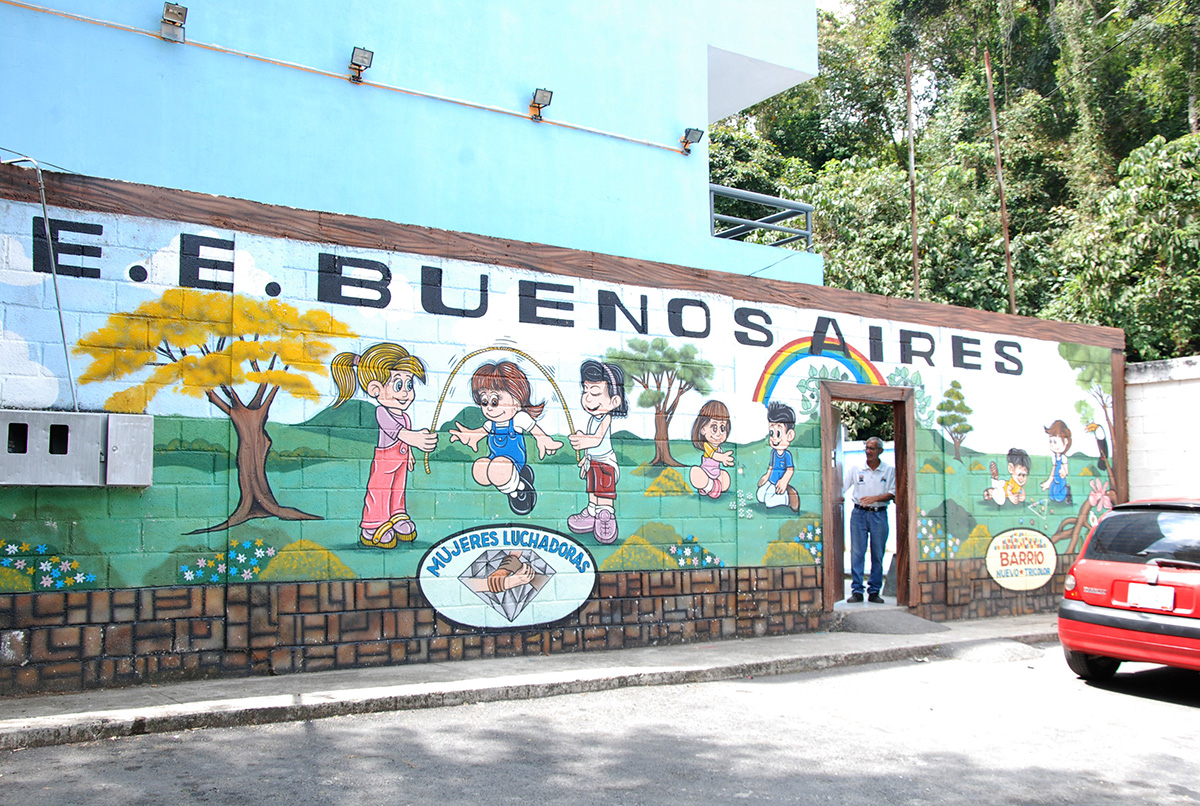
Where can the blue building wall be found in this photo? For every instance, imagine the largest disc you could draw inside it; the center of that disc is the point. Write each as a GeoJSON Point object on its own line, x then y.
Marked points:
{"type": "Point", "coordinates": [104, 96]}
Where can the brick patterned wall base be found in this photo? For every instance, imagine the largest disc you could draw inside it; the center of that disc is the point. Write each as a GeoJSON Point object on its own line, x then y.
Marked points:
{"type": "Point", "coordinates": [83, 640]}
{"type": "Point", "coordinates": [963, 589]}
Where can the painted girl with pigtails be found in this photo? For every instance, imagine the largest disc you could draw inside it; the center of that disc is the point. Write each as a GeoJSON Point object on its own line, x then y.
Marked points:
{"type": "Point", "coordinates": [385, 372]}
{"type": "Point", "coordinates": [504, 395]}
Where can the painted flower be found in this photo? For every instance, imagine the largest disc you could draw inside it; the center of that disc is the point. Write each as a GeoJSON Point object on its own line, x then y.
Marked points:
{"type": "Point", "coordinates": [11, 548]}
{"type": "Point", "coordinates": [270, 551]}
{"type": "Point", "coordinates": [1098, 497]}
{"type": "Point", "coordinates": [44, 566]}
{"type": "Point", "coordinates": [81, 578]}
{"type": "Point", "coordinates": [47, 582]}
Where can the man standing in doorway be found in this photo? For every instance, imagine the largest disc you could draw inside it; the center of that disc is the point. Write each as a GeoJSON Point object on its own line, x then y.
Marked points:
{"type": "Point", "coordinates": [874, 486]}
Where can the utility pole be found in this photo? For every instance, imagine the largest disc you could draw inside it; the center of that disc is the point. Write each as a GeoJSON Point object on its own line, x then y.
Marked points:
{"type": "Point", "coordinates": [912, 177]}
{"type": "Point", "coordinates": [1012, 294]}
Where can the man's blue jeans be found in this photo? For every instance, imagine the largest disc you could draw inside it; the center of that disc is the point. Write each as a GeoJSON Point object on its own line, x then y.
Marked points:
{"type": "Point", "coordinates": [867, 527]}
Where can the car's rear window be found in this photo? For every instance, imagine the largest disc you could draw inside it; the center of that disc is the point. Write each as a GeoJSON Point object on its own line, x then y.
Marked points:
{"type": "Point", "coordinates": [1140, 537]}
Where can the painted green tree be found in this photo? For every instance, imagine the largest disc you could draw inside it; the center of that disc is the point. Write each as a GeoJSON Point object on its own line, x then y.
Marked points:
{"type": "Point", "coordinates": [953, 417]}
{"type": "Point", "coordinates": [209, 344]}
{"type": "Point", "coordinates": [665, 375]}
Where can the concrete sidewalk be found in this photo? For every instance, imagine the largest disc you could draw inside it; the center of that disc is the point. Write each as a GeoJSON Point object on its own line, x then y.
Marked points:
{"type": "Point", "coordinates": [864, 635]}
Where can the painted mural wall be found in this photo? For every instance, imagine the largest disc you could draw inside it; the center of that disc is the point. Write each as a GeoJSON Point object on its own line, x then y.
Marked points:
{"type": "Point", "coordinates": [501, 434]}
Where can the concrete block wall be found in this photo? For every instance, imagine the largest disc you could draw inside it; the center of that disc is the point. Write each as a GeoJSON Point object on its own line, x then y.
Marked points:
{"type": "Point", "coordinates": [109, 586]}
{"type": "Point", "coordinates": [1160, 401]}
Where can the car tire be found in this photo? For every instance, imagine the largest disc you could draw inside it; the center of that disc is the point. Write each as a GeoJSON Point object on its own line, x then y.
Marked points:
{"type": "Point", "coordinates": [1091, 667]}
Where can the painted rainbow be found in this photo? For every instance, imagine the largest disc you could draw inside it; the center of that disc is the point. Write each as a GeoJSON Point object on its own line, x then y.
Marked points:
{"type": "Point", "coordinates": [857, 364]}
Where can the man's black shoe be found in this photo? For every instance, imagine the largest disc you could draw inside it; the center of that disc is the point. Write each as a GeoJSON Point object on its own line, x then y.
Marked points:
{"type": "Point", "coordinates": [854, 598]}
{"type": "Point", "coordinates": [875, 598]}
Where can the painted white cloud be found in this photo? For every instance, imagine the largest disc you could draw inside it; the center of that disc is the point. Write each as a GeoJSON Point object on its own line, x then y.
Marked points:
{"type": "Point", "coordinates": [16, 267]}
{"type": "Point", "coordinates": [26, 384]}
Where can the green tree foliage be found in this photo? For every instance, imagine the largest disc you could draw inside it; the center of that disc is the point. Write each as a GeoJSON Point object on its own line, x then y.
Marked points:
{"type": "Point", "coordinates": [1139, 257]}
{"type": "Point", "coordinates": [1098, 114]}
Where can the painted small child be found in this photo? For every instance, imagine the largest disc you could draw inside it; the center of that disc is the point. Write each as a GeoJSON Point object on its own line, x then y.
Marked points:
{"type": "Point", "coordinates": [709, 432]}
{"type": "Point", "coordinates": [1013, 490]}
{"type": "Point", "coordinates": [385, 372]}
{"type": "Point", "coordinates": [1060, 442]}
{"type": "Point", "coordinates": [503, 392]}
{"type": "Point", "coordinates": [774, 488]}
{"type": "Point", "coordinates": [603, 398]}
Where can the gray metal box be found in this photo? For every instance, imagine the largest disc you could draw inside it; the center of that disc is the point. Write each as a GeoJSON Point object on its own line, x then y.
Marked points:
{"type": "Point", "coordinates": [64, 448]}
{"type": "Point", "coordinates": [130, 450]}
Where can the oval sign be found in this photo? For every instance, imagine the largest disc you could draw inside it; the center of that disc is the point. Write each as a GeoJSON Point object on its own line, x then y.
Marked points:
{"type": "Point", "coordinates": [1021, 559]}
{"type": "Point", "coordinates": [507, 575]}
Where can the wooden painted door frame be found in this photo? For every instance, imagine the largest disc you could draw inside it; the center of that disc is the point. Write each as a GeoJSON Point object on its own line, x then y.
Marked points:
{"type": "Point", "coordinates": [902, 400]}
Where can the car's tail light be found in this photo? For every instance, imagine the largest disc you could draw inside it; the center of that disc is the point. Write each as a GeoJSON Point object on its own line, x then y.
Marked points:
{"type": "Point", "coordinates": [1069, 586]}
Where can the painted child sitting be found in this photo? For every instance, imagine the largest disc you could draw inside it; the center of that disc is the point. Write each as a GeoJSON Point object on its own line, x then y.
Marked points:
{"type": "Point", "coordinates": [1013, 490]}
{"type": "Point", "coordinates": [774, 488]}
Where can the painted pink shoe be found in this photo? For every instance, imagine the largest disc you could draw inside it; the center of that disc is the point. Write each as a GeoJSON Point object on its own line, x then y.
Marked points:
{"type": "Point", "coordinates": [581, 523]}
{"type": "Point", "coordinates": [606, 527]}
{"type": "Point", "coordinates": [715, 492]}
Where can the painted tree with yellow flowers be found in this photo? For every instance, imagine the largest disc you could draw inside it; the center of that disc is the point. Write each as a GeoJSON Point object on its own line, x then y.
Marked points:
{"type": "Point", "coordinates": [211, 344]}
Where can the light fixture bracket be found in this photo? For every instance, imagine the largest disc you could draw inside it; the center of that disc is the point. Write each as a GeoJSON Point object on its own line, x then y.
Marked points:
{"type": "Point", "coordinates": [541, 100]}
{"type": "Point", "coordinates": [360, 60]}
{"type": "Point", "coordinates": [171, 28]}
{"type": "Point", "coordinates": [690, 138]}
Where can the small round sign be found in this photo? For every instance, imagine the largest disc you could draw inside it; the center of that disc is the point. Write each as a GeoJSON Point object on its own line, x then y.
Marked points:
{"type": "Point", "coordinates": [1021, 559]}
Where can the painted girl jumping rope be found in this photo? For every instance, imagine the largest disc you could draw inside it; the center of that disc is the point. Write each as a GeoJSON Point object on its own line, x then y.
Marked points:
{"type": "Point", "coordinates": [709, 432]}
{"type": "Point", "coordinates": [1060, 443]}
{"type": "Point", "coordinates": [603, 398]}
{"type": "Point", "coordinates": [386, 372]}
{"type": "Point", "coordinates": [503, 393]}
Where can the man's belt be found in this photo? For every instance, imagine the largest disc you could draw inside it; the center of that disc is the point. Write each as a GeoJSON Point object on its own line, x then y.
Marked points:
{"type": "Point", "coordinates": [870, 509]}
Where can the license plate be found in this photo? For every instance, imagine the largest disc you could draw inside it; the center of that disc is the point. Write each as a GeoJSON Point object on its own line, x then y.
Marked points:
{"type": "Point", "coordinates": [1151, 597]}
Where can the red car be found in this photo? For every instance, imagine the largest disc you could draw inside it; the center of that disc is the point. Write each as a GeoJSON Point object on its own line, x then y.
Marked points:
{"type": "Point", "coordinates": [1134, 592]}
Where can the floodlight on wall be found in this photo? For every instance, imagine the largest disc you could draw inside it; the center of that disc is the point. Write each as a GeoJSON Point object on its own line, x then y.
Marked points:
{"type": "Point", "coordinates": [173, 18]}
{"type": "Point", "coordinates": [690, 138]}
{"type": "Point", "coordinates": [541, 100]}
{"type": "Point", "coordinates": [360, 59]}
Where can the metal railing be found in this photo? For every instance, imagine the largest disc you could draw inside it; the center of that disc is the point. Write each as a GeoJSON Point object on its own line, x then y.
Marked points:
{"type": "Point", "coordinates": [785, 210]}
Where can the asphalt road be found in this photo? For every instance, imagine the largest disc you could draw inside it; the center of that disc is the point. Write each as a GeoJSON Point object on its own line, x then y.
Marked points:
{"type": "Point", "coordinates": [1000, 723]}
